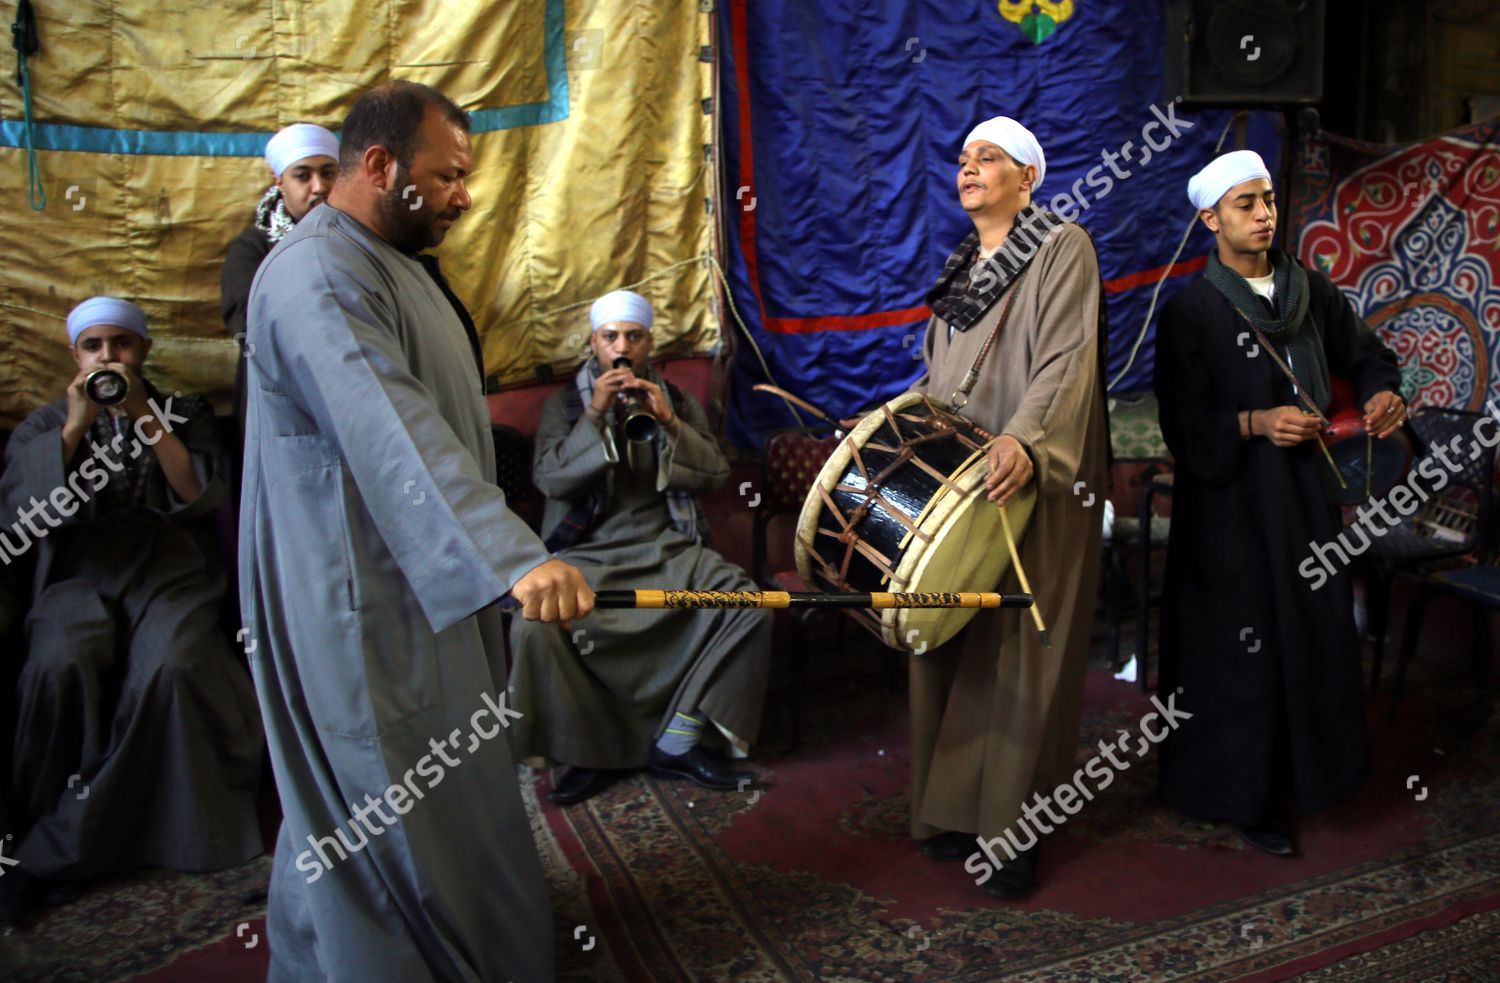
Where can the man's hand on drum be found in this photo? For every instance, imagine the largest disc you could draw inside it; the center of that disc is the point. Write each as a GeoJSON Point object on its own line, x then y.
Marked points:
{"type": "Point", "coordinates": [1010, 469]}
{"type": "Point", "coordinates": [553, 591]}
{"type": "Point", "coordinates": [1384, 414]}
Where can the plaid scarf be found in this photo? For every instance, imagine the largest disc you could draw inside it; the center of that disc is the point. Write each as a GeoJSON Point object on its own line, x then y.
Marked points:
{"type": "Point", "coordinates": [271, 216]}
{"type": "Point", "coordinates": [1305, 347]}
{"type": "Point", "coordinates": [138, 484]}
{"type": "Point", "coordinates": [962, 295]}
{"type": "Point", "coordinates": [586, 514]}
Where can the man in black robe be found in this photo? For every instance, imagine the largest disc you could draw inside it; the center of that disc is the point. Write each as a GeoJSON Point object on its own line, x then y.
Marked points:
{"type": "Point", "coordinates": [304, 162]}
{"type": "Point", "coordinates": [1265, 659]}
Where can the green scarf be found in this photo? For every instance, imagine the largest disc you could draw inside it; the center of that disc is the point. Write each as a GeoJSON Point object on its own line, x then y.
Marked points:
{"type": "Point", "coordinates": [1293, 329]}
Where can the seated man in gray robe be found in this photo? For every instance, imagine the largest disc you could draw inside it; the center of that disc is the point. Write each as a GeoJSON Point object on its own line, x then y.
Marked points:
{"type": "Point", "coordinates": [137, 739]}
{"type": "Point", "coordinates": [628, 688]}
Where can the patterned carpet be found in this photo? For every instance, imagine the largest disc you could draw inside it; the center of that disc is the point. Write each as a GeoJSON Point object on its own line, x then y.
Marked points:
{"type": "Point", "coordinates": [811, 876]}
{"type": "Point", "coordinates": [814, 879]}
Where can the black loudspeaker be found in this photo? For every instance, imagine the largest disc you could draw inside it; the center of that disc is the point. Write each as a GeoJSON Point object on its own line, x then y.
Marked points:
{"type": "Point", "coordinates": [1244, 52]}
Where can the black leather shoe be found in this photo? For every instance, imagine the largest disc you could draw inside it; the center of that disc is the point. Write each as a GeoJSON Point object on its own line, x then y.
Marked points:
{"type": "Point", "coordinates": [1014, 879]}
{"type": "Point", "coordinates": [699, 767]}
{"type": "Point", "coordinates": [20, 893]}
{"type": "Point", "coordinates": [950, 846]}
{"type": "Point", "coordinates": [59, 893]}
{"type": "Point", "coordinates": [580, 783]}
{"type": "Point", "coordinates": [1273, 838]}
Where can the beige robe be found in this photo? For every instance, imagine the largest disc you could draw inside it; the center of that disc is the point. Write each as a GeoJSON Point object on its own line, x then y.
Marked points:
{"type": "Point", "coordinates": [994, 715]}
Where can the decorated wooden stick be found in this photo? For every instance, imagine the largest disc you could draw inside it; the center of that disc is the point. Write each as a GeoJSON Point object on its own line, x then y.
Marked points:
{"type": "Point", "coordinates": [1015, 559]}
{"type": "Point", "coordinates": [787, 599]}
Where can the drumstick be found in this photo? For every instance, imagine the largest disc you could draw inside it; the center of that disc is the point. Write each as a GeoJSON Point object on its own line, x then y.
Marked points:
{"type": "Point", "coordinates": [1015, 559]}
{"type": "Point", "coordinates": [762, 387]}
{"type": "Point", "coordinates": [786, 599]}
{"type": "Point", "coordinates": [1308, 406]}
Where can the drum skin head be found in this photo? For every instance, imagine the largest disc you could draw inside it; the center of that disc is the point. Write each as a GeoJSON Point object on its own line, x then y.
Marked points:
{"type": "Point", "coordinates": [966, 550]}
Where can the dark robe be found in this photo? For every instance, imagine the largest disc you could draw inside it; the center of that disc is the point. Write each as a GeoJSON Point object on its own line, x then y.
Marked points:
{"type": "Point", "coordinates": [1267, 665]}
{"type": "Point", "coordinates": [137, 738]}
{"type": "Point", "coordinates": [241, 261]}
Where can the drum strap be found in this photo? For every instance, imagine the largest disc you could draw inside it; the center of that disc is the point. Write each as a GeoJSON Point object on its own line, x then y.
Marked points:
{"type": "Point", "coordinates": [1286, 370]}
{"type": "Point", "coordinates": [961, 395]}
{"type": "Point", "coordinates": [1311, 407]}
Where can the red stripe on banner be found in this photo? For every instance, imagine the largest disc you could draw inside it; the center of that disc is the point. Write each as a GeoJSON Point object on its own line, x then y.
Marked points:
{"type": "Point", "coordinates": [1132, 280]}
{"type": "Point", "coordinates": [851, 322]}
{"type": "Point", "coordinates": [785, 325]}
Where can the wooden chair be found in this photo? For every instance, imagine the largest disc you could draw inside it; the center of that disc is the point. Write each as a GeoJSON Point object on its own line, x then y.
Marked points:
{"type": "Point", "coordinates": [790, 463]}
{"type": "Point", "coordinates": [1153, 477]}
{"type": "Point", "coordinates": [513, 473]}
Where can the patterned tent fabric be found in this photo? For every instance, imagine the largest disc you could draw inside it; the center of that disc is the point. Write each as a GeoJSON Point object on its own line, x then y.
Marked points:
{"type": "Point", "coordinates": [1411, 234]}
{"type": "Point", "coordinates": [590, 170]}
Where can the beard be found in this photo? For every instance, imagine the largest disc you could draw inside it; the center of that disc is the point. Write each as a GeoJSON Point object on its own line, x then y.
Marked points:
{"type": "Point", "coordinates": [409, 229]}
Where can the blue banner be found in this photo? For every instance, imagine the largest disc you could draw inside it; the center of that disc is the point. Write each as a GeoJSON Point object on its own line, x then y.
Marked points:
{"type": "Point", "coordinates": [842, 124]}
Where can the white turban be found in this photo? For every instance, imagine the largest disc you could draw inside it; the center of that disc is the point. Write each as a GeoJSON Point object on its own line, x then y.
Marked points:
{"type": "Point", "coordinates": [1014, 139]}
{"type": "Point", "coordinates": [297, 142]}
{"type": "Point", "coordinates": [1236, 167]}
{"type": "Point", "coordinates": [621, 305]}
{"type": "Point", "coordinates": [105, 310]}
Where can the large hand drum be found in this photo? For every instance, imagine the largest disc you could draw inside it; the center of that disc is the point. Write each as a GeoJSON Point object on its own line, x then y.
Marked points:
{"type": "Point", "coordinates": [900, 506]}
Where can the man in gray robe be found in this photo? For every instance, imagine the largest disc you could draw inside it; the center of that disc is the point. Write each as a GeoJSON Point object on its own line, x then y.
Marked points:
{"type": "Point", "coordinates": [995, 716]}
{"type": "Point", "coordinates": [635, 688]}
{"type": "Point", "coordinates": [374, 545]}
{"type": "Point", "coordinates": [137, 740]}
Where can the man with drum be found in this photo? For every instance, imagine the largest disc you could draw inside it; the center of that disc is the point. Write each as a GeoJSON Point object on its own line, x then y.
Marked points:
{"type": "Point", "coordinates": [621, 455]}
{"type": "Point", "coordinates": [995, 714]}
{"type": "Point", "coordinates": [1267, 661]}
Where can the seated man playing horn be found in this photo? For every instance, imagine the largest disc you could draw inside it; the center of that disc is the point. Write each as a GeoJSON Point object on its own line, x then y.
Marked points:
{"type": "Point", "coordinates": [137, 739]}
{"type": "Point", "coordinates": [629, 689]}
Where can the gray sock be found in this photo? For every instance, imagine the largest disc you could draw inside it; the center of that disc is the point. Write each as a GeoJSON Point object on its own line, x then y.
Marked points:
{"type": "Point", "coordinates": [681, 734]}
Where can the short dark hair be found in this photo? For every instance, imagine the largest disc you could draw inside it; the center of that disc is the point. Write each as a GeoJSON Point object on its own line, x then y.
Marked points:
{"type": "Point", "coordinates": [391, 116]}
